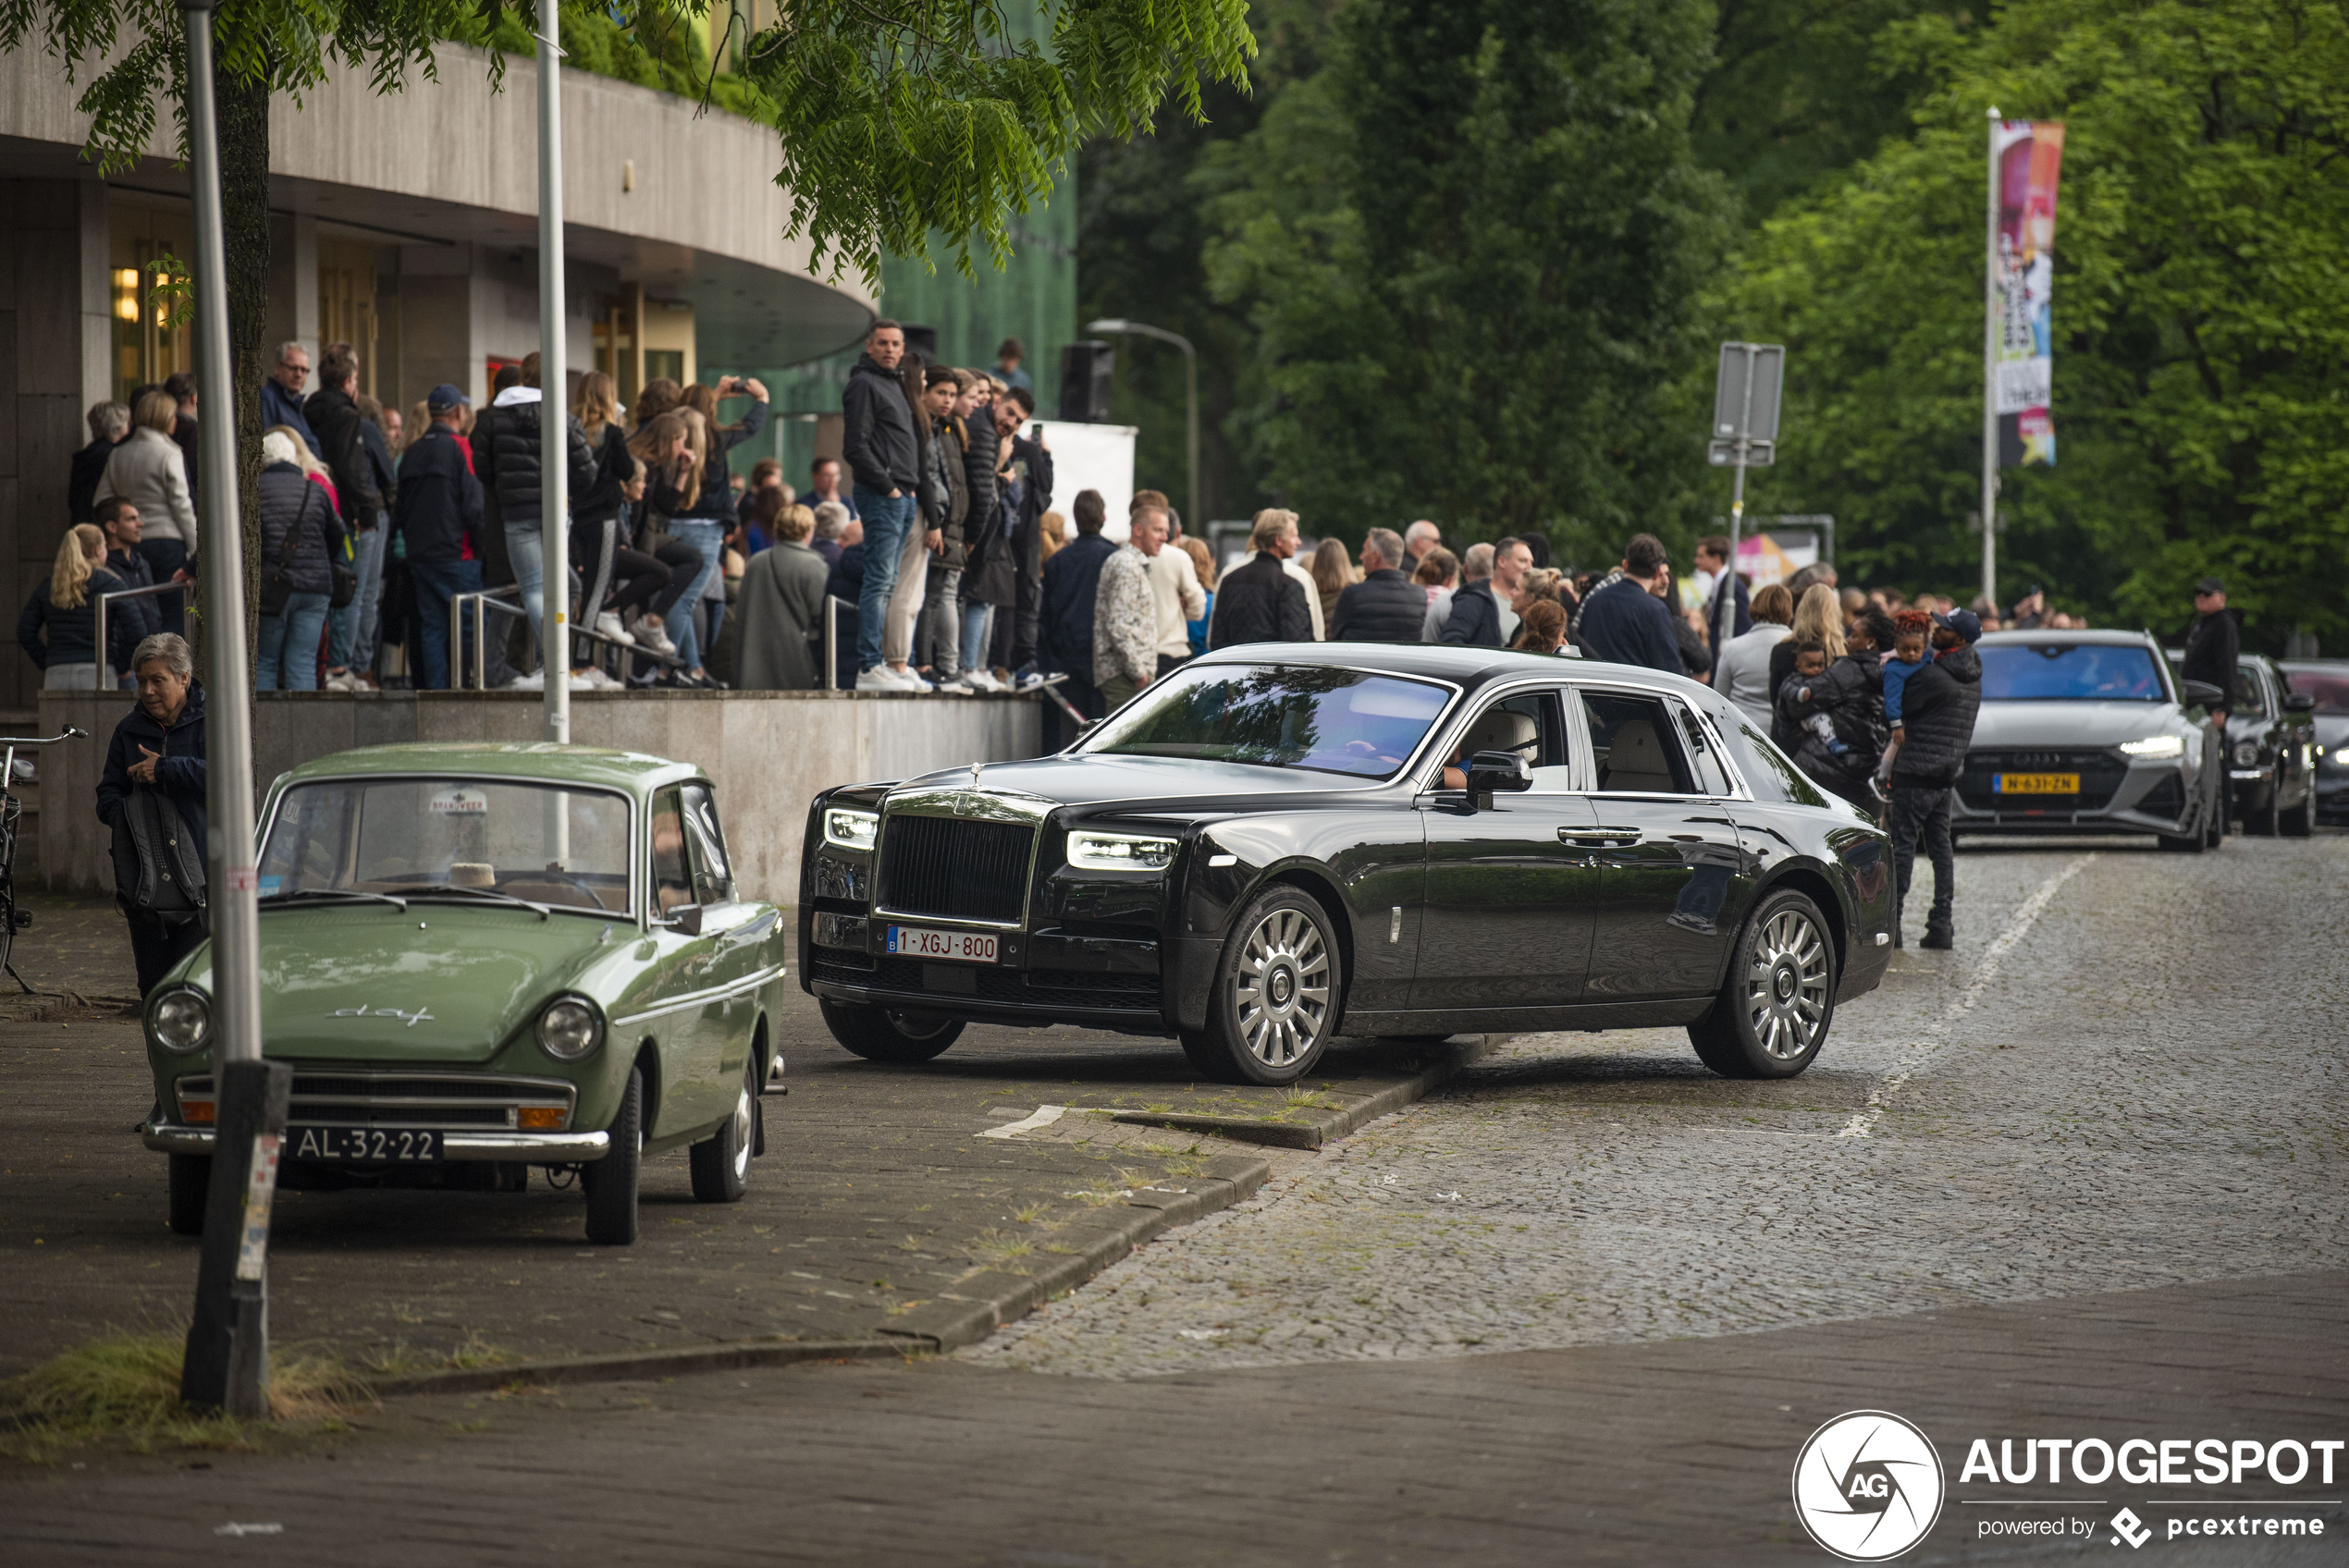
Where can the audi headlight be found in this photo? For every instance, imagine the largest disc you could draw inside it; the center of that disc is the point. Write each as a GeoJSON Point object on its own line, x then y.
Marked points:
{"type": "Point", "coordinates": [2246, 753]}
{"type": "Point", "coordinates": [1119, 851]}
{"type": "Point", "coordinates": [851, 829]}
{"type": "Point", "coordinates": [183, 1021]}
{"type": "Point", "coordinates": [570, 1029]}
{"type": "Point", "coordinates": [2154, 746]}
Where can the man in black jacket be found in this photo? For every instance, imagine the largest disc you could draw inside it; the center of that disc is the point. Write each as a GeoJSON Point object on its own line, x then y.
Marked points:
{"type": "Point", "coordinates": [1064, 625]}
{"type": "Point", "coordinates": [439, 516]}
{"type": "Point", "coordinates": [334, 417]}
{"type": "Point", "coordinates": [1488, 573]}
{"type": "Point", "coordinates": [1937, 709]}
{"type": "Point", "coordinates": [128, 621]}
{"type": "Point", "coordinates": [1385, 607]}
{"type": "Point", "coordinates": [883, 455]}
{"type": "Point", "coordinates": [1029, 498]}
{"type": "Point", "coordinates": [508, 453]}
{"type": "Point", "coordinates": [1625, 622]}
{"type": "Point", "coordinates": [2214, 649]}
{"type": "Point", "coordinates": [1261, 602]}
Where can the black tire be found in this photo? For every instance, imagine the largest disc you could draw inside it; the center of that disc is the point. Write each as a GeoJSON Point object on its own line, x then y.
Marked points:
{"type": "Point", "coordinates": [1274, 1000]}
{"type": "Point", "coordinates": [721, 1162]}
{"type": "Point", "coordinates": [190, 1190]}
{"type": "Point", "coordinates": [880, 1034]}
{"type": "Point", "coordinates": [1778, 1002]}
{"type": "Point", "coordinates": [2301, 820]}
{"type": "Point", "coordinates": [2267, 821]}
{"type": "Point", "coordinates": [610, 1183]}
{"type": "Point", "coordinates": [2190, 845]}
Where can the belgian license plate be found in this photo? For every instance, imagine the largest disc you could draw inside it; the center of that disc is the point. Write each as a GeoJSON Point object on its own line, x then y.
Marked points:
{"type": "Point", "coordinates": [966, 947]}
{"type": "Point", "coordinates": [373, 1146]}
{"type": "Point", "coordinates": [2038, 783]}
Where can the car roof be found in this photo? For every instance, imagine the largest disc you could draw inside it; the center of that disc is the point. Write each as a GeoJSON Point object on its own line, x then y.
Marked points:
{"type": "Point", "coordinates": [1470, 667]}
{"type": "Point", "coordinates": [635, 772]}
{"type": "Point", "coordinates": [2090, 638]}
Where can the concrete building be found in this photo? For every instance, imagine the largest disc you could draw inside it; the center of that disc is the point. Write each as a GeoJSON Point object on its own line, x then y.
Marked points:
{"type": "Point", "coordinates": [405, 224]}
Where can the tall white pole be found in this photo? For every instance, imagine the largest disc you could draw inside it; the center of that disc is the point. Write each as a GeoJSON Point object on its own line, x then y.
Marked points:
{"type": "Point", "coordinates": [554, 426]}
{"type": "Point", "coordinates": [1990, 373]}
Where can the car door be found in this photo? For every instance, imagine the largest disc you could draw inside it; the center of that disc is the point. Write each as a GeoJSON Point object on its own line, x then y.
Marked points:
{"type": "Point", "coordinates": [1511, 884]}
{"type": "Point", "coordinates": [741, 933]}
{"type": "Point", "coordinates": [688, 1033]}
{"type": "Point", "coordinates": [1675, 878]}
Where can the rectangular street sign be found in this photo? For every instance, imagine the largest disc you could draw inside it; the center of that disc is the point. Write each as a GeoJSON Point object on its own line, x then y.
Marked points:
{"type": "Point", "coordinates": [1745, 395]}
{"type": "Point", "coordinates": [1758, 454]}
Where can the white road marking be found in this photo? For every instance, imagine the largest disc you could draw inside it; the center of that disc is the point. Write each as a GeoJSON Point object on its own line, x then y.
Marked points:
{"type": "Point", "coordinates": [1934, 1036]}
{"type": "Point", "coordinates": [1044, 1117]}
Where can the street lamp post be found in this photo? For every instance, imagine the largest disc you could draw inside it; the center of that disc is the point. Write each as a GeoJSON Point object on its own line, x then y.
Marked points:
{"type": "Point", "coordinates": [226, 1365]}
{"type": "Point", "coordinates": [1190, 375]}
{"type": "Point", "coordinates": [554, 426]}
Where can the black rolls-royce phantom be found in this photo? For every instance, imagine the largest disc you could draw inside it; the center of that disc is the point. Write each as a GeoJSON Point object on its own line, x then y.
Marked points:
{"type": "Point", "coordinates": [1274, 845]}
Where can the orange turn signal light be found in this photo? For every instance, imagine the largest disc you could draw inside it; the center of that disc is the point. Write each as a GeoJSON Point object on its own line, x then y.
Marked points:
{"type": "Point", "coordinates": [194, 1112]}
{"type": "Point", "coordinates": [540, 1117]}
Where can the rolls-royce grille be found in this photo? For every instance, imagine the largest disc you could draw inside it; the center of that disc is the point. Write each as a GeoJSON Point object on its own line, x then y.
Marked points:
{"type": "Point", "coordinates": [2100, 775]}
{"type": "Point", "coordinates": [951, 869]}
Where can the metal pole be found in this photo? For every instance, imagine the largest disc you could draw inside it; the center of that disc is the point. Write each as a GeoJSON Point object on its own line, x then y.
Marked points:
{"type": "Point", "coordinates": [1728, 625]}
{"type": "Point", "coordinates": [831, 644]}
{"type": "Point", "coordinates": [1990, 374]}
{"type": "Point", "coordinates": [554, 426]}
{"type": "Point", "coordinates": [1190, 375]}
{"type": "Point", "coordinates": [227, 1361]}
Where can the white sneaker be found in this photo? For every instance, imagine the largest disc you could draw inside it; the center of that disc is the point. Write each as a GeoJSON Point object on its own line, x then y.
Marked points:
{"type": "Point", "coordinates": [534, 681]}
{"type": "Point", "coordinates": [594, 680]}
{"type": "Point", "coordinates": [342, 681]}
{"type": "Point", "coordinates": [608, 624]}
{"type": "Point", "coordinates": [984, 681]}
{"type": "Point", "coordinates": [881, 678]}
{"type": "Point", "coordinates": [655, 640]}
{"type": "Point", "coordinates": [957, 686]}
{"type": "Point", "coordinates": [910, 679]}
{"type": "Point", "coordinates": [581, 683]}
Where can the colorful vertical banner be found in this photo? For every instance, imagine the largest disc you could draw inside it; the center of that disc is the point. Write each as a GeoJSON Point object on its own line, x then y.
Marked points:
{"type": "Point", "coordinates": [2030, 158]}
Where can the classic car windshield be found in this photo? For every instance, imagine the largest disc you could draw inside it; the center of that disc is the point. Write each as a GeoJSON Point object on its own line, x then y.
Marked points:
{"type": "Point", "coordinates": [2092, 672]}
{"type": "Point", "coordinates": [408, 836]}
{"type": "Point", "coordinates": [1279, 716]}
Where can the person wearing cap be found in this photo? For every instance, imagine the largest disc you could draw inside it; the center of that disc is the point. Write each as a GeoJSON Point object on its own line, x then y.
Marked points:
{"type": "Point", "coordinates": [437, 518]}
{"type": "Point", "coordinates": [1939, 707]}
{"type": "Point", "coordinates": [2213, 649]}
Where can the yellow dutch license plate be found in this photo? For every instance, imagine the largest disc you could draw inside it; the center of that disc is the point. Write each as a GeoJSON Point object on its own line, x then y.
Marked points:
{"type": "Point", "coordinates": [2038, 783]}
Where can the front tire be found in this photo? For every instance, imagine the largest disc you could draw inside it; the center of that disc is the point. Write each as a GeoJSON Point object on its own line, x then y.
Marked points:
{"type": "Point", "coordinates": [720, 1162]}
{"type": "Point", "coordinates": [1273, 1005]}
{"type": "Point", "coordinates": [880, 1034]}
{"type": "Point", "coordinates": [1778, 1001]}
{"type": "Point", "coordinates": [2301, 820]}
{"type": "Point", "coordinates": [190, 1190]}
{"type": "Point", "coordinates": [610, 1183]}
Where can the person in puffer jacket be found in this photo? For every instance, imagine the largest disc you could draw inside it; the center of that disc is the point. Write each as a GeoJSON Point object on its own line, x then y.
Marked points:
{"type": "Point", "coordinates": [293, 509]}
{"type": "Point", "coordinates": [507, 451]}
{"type": "Point", "coordinates": [1938, 710]}
{"type": "Point", "coordinates": [1826, 706]}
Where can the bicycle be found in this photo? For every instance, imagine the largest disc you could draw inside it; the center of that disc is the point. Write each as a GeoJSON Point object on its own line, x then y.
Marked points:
{"type": "Point", "coordinates": [12, 919]}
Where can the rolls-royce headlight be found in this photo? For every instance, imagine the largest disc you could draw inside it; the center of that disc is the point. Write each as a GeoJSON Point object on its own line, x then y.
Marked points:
{"type": "Point", "coordinates": [2246, 753]}
{"type": "Point", "coordinates": [1119, 851]}
{"type": "Point", "coordinates": [183, 1021]}
{"type": "Point", "coordinates": [2154, 746]}
{"type": "Point", "coordinates": [570, 1029]}
{"type": "Point", "coordinates": [851, 829]}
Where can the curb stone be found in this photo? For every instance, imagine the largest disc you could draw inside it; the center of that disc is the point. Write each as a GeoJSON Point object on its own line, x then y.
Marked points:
{"type": "Point", "coordinates": [986, 1300]}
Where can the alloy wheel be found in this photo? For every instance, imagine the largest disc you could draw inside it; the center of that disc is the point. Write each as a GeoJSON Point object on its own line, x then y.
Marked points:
{"type": "Point", "coordinates": [1787, 985]}
{"type": "Point", "coordinates": [746, 1132]}
{"type": "Point", "coordinates": [1282, 987]}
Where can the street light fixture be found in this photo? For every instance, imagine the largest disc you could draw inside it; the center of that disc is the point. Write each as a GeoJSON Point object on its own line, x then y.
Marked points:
{"type": "Point", "coordinates": [1118, 326]}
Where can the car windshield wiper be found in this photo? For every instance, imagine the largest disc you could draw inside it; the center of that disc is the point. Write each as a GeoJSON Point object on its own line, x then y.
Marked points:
{"type": "Point", "coordinates": [451, 890]}
{"type": "Point", "coordinates": [352, 893]}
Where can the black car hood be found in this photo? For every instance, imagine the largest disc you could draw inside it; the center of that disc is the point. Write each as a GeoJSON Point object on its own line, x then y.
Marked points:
{"type": "Point", "coordinates": [1085, 781]}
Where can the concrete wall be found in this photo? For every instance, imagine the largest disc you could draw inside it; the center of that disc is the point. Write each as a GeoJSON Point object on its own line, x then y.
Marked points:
{"type": "Point", "coordinates": [767, 751]}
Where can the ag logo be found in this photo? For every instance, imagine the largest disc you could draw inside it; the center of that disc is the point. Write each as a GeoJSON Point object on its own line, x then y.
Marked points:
{"type": "Point", "coordinates": [1867, 1485]}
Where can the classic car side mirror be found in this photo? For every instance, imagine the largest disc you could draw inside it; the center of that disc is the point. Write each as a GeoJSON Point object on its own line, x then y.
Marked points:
{"type": "Point", "coordinates": [2201, 694]}
{"type": "Point", "coordinates": [2300, 702]}
{"type": "Point", "coordinates": [1492, 771]}
{"type": "Point", "coordinates": [685, 918]}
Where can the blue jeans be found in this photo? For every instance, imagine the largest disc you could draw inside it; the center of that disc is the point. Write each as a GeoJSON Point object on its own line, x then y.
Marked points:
{"type": "Point", "coordinates": [285, 655]}
{"type": "Point", "coordinates": [438, 583]}
{"type": "Point", "coordinates": [708, 540]}
{"type": "Point", "coordinates": [525, 553]}
{"type": "Point", "coordinates": [352, 629]}
{"type": "Point", "coordinates": [979, 621]}
{"type": "Point", "coordinates": [165, 556]}
{"type": "Point", "coordinates": [887, 523]}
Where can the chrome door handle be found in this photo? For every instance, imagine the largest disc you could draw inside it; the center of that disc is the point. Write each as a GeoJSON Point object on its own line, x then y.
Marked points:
{"type": "Point", "coordinates": [1599, 835]}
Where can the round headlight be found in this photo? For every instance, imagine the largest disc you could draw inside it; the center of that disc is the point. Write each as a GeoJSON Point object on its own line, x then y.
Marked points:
{"type": "Point", "coordinates": [2246, 753]}
{"type": "Point", "coordinates": [570, 1029]}
{"type": "Point", "coordinates": [183, 1021]}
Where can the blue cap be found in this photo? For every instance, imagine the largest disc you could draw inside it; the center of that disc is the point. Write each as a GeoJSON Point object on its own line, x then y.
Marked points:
{"type": "Point", "coordinates": [1965, 624]}
{"type": "Point", "coordinates": [446, 396]}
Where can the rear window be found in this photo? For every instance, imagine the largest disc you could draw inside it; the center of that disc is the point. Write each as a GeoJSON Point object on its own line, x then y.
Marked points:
{"type": "Point", "coordinates": [2058, 672]}
{"type": "Point", "coordinates": [2330, 687]}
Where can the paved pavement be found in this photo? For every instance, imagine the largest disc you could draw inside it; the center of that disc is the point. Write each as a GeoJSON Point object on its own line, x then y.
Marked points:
{"type": "Point", "coordinates": [2081, 1177]}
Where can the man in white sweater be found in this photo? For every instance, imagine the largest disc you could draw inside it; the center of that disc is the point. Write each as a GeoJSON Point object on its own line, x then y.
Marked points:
{"type": "Point", "coordinates": [1175, 587]}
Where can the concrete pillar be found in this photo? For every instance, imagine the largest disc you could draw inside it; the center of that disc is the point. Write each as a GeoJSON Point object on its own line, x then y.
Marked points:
{"type": "Point", "coordinates": [94, 286]}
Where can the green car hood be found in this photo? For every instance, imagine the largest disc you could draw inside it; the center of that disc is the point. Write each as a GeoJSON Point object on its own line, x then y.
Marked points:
{"type": "Point", "coordinates": [440, 983]}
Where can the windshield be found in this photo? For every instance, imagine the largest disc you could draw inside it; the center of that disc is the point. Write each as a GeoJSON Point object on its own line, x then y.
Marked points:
{"type": "Point", "coordinates": [2090, 672]}
{"type": "Point", "coordinates": [1279, 716]}
{"type": "Point", "coordinates": [414, 837]}
{"type": "Point", "coordinates": [2330, 687]}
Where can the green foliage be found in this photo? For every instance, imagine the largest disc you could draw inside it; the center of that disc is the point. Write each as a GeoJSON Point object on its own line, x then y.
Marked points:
{"type": "Point", "coordinates": [2201, 406]}
{"type": "Point", "coordinates": [1470, 248]}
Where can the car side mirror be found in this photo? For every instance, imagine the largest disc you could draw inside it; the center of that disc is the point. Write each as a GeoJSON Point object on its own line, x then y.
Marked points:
{"type": "Point", "coordinates": [685, 918]}
{"type": "Point", "coordinates": [2201, 694]}
{"type": "Point", "coordinates": [2300, 702]}
{"type": "Point", "coordinates": [1489, 772]}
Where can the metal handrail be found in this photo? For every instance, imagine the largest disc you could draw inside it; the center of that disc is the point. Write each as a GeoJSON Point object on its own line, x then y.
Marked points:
{"type": "Point", "coordinates": [487, 599]}
{"type": "Point", "coordinates": [98, 614]}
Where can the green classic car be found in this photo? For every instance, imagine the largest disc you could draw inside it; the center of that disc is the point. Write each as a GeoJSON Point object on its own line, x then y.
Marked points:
{"type": "Point", "coordinates": [479, 959]}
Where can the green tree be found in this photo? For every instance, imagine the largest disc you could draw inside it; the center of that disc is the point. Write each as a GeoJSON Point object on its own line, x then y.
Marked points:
{"type": "Point", "coordinates": [2201, 405]}
{"type": "Point", "coordinates": [1471, 248]}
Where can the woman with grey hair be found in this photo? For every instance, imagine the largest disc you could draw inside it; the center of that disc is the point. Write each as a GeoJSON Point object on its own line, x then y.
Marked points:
{"type": "Point", "coordinates": [151, 795]}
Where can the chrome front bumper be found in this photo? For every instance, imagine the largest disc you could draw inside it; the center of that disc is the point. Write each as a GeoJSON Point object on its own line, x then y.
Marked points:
{"type": "Point", "coordinates": [537, 1149]}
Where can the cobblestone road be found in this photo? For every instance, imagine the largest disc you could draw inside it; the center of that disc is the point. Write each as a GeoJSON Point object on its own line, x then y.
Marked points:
{"type": "Point", "coordinates": [2128, 1074]}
